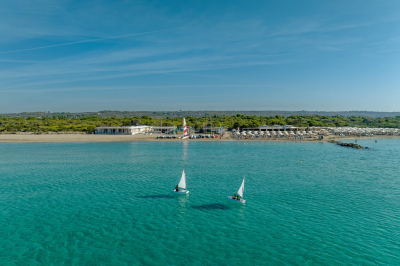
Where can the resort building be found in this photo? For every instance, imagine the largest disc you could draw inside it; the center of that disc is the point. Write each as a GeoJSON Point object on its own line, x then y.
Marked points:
{"type": "Point", "coordinates": [209, 129]}
{"type": "Point", "coordinates": [276, 128]}
{"type": "Point", "coordinates": [163, 129]}
{"type": "Point", "coordinates": [129, 130]}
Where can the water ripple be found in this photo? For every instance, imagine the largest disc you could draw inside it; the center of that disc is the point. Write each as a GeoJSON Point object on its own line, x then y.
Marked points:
{"type": "Point", "coordinates": [110, 204]}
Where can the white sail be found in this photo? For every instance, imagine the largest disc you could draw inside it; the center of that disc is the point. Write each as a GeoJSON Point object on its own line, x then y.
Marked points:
{"type": "Point", "coordinates": [241, 189]}
{"type": "Point", "coordinates": [182, 182]}
{"type": "Point", "coordinates": [185, 131]}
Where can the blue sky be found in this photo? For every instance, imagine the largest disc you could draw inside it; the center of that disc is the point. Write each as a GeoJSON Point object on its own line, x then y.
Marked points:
{"type": "Point", "coordinates": [199, 55]}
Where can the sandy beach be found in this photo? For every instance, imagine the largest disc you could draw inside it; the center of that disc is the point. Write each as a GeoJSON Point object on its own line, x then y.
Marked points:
{"type": "Point", "coordinates": [74, 137]}
{"type": "Point", "coordinates": [77, 137]}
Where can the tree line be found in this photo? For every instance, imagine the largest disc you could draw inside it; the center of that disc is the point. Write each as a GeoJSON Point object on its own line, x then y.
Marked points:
{"type": "Point", "coordinates": [88, 124]}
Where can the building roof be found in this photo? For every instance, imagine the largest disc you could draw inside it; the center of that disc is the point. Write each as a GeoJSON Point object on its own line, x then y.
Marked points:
{"type": "Point", "coordinates": [163, 127]}
{"type": "Point", "coordinates": [126, 127]}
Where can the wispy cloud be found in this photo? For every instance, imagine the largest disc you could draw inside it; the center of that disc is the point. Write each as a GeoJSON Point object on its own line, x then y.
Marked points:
{"type": "Point", "coordinates": [18, 61]}
{"type": "Point", "coordinates": [69, 46]}
{"type": "Point", "coordinates": [321, 25]}
{"type": "Point", "coordinates": [86, 41]}
{"type": "Point", "coordinates": [115, 72]}
{"type": "Point", "coordinates": [159, 58]}
{"type": "Point", "coordinates": [22, 20]}
{"type": "Point", "coordinates": [154, 87]}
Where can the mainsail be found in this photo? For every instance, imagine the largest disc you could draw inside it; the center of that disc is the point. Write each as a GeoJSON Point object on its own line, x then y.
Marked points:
{"type": "Point", "coordinates": [185, 131]}
{"type": "Point", "coordinates": [241, 189]}
{"type": "Point", "coordinates": [182, 183]}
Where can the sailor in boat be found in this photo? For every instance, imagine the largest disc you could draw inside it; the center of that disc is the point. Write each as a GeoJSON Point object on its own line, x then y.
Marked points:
{"type": "Point", "coordinates": [236, 197]}
{"type": "Point", "coordinates": [239, 195]}
{"type": "Point", "coordinates": [177, 188]}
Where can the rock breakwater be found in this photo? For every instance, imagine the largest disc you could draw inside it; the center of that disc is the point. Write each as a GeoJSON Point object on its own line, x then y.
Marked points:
{"type": "Point", "coordinates": [350, 145]}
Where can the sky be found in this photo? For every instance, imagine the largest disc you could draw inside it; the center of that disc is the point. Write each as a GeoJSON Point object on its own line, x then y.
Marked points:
{"type": "Point", "coordinates": [316, 55]}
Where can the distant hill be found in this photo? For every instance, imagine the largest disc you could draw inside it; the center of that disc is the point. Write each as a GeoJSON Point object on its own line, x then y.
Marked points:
{"type": "Point", "coordinates": [172, 114]}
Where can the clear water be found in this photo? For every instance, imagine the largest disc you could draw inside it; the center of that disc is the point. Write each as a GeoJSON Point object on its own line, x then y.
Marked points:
{"type": "Point", "coordinates": [111, 204]}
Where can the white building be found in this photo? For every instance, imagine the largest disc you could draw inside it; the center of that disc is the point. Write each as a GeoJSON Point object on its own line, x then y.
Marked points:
{"type": "Point", "coordinates": [163, 129]}
{"type": "Point", "coordinates": [131, 130]}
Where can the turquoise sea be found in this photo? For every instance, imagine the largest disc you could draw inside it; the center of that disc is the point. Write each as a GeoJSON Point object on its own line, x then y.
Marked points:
{"type": "Point", "coordinates": [111, 203]}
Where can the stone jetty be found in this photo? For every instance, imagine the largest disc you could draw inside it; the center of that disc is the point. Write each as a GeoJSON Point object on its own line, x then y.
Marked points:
{"type": "Point", "coordinates": [351, 145]}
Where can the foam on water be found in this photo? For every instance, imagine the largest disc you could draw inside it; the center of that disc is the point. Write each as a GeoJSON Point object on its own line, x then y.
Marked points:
{"type": "Point", "coordinates": [111, 204]}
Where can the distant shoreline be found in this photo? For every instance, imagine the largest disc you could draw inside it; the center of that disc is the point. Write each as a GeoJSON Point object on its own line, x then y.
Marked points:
{"type": "Point", "coordinates": [201, 113]}
{"type": "Point", "coordinates": [74, 137]}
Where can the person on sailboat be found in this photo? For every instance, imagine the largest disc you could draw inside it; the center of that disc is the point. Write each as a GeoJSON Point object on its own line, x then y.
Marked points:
{"type": "Point", "coordinates": [176, 188]}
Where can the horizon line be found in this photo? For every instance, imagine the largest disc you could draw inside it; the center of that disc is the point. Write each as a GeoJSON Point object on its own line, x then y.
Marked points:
{"type": "Point", "coordinates": [8, 113]}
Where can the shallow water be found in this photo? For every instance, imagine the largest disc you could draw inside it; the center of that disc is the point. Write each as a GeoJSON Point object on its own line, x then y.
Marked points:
{"type": "Point", "coordinates": [111, 203]}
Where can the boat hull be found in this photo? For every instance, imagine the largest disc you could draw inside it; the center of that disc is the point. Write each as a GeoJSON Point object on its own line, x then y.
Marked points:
{"type": "Point", "coordinates": [230, 198]}
{"type": "Point", "coordinates": [182, 191]}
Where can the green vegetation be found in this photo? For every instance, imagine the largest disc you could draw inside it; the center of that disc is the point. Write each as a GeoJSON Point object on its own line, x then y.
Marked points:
{"type": "Point", "coordinates": [62, 123]}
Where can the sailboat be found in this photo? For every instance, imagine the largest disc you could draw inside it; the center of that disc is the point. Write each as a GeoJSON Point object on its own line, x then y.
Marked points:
{"type": "Point", "coordinates": [182, 185]}
{"type": "Point", "coordinates": [240, 193]}
{"type": "Point", "coordinates": [185, 131]}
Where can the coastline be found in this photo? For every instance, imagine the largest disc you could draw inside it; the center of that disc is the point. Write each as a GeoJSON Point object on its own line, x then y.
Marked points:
{"type": "Point", "coordinates": [79, 137]}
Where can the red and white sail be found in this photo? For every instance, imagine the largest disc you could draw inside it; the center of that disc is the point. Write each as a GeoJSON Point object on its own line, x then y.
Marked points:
{"type": "Point", "coordinates": [185, 131]}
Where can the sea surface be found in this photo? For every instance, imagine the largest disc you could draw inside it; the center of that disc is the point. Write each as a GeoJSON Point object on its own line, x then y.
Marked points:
{"type": "Point", "coordinates": [111, 203]}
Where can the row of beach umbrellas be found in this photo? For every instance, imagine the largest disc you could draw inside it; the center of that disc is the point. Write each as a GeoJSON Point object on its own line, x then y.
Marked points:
{"type": "Point", "coordinates": [322, 131]}
{"type": "Point", "coordinates": [361, 131]}
{"type": "Point", "coordinates": [273, 133]}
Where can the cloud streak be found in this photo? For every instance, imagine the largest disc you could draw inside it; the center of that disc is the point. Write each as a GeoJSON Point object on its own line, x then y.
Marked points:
{"type": "Point", "coordinates": [308, 47]}
{"type": "Point", "coordinates": [154, 87]}
{"type": "Point", "coordinates": [86, 41]}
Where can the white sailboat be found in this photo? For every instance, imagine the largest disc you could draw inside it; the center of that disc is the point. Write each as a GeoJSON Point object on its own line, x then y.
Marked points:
{"type": "Point", "coordinates": [182, 185]}
{"type": "Point", "coordinates": [240, 193]}
{"type": "Point", "coordinates": [185, 130]}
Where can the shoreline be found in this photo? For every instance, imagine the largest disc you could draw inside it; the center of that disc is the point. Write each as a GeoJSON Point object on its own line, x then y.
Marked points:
{"type": "Point", "coordinates": [76, 137]}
